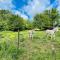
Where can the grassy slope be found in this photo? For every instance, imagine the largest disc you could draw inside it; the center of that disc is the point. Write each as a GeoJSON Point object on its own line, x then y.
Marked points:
{"type": "Point", "coordinates": [37, 49]}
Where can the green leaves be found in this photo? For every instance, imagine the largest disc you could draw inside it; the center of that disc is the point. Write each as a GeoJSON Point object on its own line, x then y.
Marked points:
{"type": "Point", "coordinates": [47, 19]}
{"type": "Point", "coordinates": [9, 21]}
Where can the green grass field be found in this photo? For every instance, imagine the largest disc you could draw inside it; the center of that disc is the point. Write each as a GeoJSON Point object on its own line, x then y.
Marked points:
{"type": "Point", "coordinates": [39, 48]}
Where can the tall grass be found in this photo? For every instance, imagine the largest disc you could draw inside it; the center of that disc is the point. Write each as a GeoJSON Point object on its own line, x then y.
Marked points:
{"type": "Point", "coordinates": [39, 48]}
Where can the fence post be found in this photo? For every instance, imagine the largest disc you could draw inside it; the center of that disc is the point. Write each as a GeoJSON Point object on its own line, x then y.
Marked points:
{"type": "Point", "coordinates": [18, 39]}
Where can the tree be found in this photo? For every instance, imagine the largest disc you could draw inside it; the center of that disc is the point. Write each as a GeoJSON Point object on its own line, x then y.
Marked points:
{"type": "Point", "coordinates": [4, 17]}
{"type": "Point", "coordinates": [9, 21]}
{"type": "Point", "coordinates": [16, 22]}
{"type": "Point", "coordinates": [46, 20]}
{"type": "Point", "coordinates": [28, 24]}
{"type": "Point", "coordinates": [54, 15]}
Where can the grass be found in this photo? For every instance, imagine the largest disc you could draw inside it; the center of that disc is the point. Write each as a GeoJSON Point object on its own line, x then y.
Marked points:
{"type": "Point", "coordinates": [39, 48]}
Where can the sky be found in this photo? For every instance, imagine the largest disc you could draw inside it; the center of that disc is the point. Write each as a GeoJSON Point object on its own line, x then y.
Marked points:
{"type": "Point", "coordinates": [28, 8]}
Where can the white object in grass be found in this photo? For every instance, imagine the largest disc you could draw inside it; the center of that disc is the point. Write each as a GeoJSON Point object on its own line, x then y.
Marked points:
{"type": "Point", "coordinates": [31, 34]}
{"type": "Point", "coordinates": [51, 33]}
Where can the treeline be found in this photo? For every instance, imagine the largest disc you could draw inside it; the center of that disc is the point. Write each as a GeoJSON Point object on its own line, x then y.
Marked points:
{"type": "Point", "coordinates": [46, 20]}
{"type": "Point", "coordinates": [9, 21]}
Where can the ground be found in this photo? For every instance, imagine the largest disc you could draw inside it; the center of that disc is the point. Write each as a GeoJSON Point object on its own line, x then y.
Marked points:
{"type": "Point", "coordinates": [39, 48]}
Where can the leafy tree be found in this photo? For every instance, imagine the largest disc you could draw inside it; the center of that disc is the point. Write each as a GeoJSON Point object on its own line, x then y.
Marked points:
{"type": "Point", "coordinates": [54, 15]}
{"type": "Point", "coordinates": [16, 23]}
{"type": "Point", "coordinates": [47, 19]}
{"type": "Point", "coordinates": [9, 21]}
{"type": "Point", "coordinates": [28, 24]}
{"type": "Point", "coordinates": [4, 17]}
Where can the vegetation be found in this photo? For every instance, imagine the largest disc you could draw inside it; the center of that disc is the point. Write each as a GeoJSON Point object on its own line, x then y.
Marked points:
{"type": "Point", "coordinates": [40, 47]}
{"type": "Point", "coordinates": [9, 21]}
{"type": "Point", "coordinates": [37, 49]}
{"type": "Point", "coordinates": [47, 19]}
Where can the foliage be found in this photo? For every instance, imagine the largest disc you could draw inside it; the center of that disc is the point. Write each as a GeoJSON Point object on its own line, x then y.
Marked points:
{"type": "Point", "coordinates": [9, 50]}
{"type": "Point", "coordinates": [9, 21]}
{"type": "Point", "coordinates": [28, 24]}
{"type": "Point", "coordinates": [16, 23]}
{"type": "Point", "coordinates": [47, 19]}
{"type": "Point", "coordinates": [37, 49]}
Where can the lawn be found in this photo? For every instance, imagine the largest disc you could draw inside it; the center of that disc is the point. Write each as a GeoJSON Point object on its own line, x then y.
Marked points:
{"type": "Point", "coordinates": [39, 48]}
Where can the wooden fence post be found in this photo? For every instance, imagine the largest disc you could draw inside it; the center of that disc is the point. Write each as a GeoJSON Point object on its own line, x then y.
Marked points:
{"type": "Point", "coordinates": [18, 39]}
